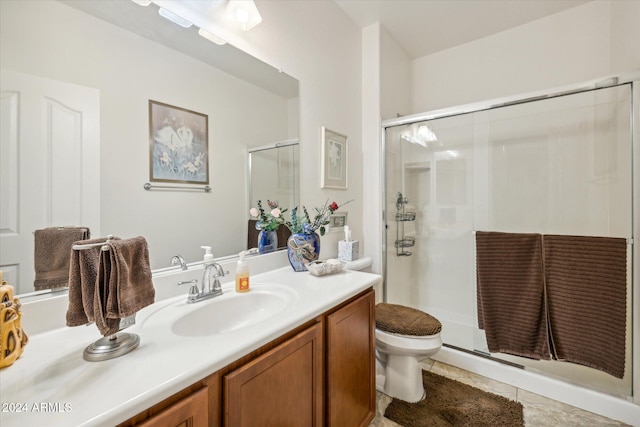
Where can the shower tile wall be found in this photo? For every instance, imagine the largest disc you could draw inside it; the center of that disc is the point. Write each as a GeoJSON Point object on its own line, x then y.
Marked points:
{"type": "Point", "coordinates": [558, 166]}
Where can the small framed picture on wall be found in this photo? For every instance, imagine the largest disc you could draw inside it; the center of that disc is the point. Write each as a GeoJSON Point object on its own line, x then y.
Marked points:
{"type": "Point", "coordinates": [334, 160]}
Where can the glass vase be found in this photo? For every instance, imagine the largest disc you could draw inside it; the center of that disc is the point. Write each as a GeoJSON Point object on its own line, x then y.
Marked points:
{"type": "Point", "coordinates": [267, 241]}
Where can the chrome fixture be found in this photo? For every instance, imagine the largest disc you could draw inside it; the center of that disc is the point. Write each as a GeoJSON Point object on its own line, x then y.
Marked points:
{"type": "Point", "coordinates": [208, 290]}
{"type": "Point", "coordinates": [177, 259]}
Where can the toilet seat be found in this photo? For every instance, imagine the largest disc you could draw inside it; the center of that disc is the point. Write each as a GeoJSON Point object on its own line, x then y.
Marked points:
{"type": "Point", "coordinates": [407, 321]}
{"type": "Point", "coordinates": [409, 342]}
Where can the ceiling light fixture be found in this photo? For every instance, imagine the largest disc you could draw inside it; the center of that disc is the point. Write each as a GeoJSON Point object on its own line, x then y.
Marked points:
{"type": "Point", "coordinates": [243, 12]}
{"type": "Point", "coordinates": [142, 2]}
{"type": "Point", "coordinates": [174, 18]}
{"type": "Point", "coordinates": [211, 37]}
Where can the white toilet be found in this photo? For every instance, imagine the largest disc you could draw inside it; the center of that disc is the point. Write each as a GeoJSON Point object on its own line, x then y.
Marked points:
{"type": "Point", "coordinates": [404, 338]}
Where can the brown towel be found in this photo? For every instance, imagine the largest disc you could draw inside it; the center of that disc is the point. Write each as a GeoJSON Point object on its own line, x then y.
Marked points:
{"type": "Point", "coordinates": [83, 273]}
{"type": "Point", "coordinates": [510, 293]}
{"type": "Point", "coordinates": [124, 284]}
{"type": "Point", "coordinates": [130, 285]}
{"type": "Point", "coordinates": [52, 251]}
{"type": "Point", "coordinates": [106, 325]}
{"type": "Point", "coordinates": [586, 281]}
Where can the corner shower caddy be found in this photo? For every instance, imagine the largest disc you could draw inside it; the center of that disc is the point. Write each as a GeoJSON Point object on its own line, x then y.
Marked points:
{"type": "Point", "coordinates": [403, 240]}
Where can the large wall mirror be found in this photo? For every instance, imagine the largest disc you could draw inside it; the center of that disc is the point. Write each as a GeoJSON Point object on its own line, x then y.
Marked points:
{"type": "Point", "coordinates": [119, 56]}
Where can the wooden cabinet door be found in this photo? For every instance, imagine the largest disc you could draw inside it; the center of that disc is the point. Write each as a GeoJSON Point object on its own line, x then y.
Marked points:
{"type": "Point", "coordinates": [351, 391]}
{"type": "Point", "coordinates": [283, 387]}
{"type": "Point", "coordinates": [192, 411]}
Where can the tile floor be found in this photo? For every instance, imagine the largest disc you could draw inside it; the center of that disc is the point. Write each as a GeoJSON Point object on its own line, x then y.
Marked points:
{"type": "Point", "coordinates": [538, 411]}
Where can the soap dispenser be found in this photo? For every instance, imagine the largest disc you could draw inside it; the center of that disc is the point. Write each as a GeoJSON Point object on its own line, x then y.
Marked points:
{"type": "Point", "coordinates": [242, 274]}
{"type": "Point", "coordinates": [208, 256]}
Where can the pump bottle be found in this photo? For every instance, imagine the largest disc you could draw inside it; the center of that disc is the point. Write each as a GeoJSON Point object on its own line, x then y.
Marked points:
{"type": "Point", "coordinates": [208, 256]}
{"type": "Point", "coordinates": [242, 274]}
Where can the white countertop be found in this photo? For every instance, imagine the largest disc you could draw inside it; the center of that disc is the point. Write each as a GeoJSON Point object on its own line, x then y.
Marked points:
{"type": "Point", "coordinates": [51, 384]}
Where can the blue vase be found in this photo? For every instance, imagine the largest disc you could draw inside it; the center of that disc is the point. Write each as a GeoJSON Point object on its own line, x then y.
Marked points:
{"type": "Point", "coordinates": [303, 248]}
{"type": "Point", "coordinates": [267, 241]}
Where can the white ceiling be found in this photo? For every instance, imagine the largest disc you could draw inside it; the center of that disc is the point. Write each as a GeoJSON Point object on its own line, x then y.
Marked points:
{"type": "Point", "coordinates": [423, 27]}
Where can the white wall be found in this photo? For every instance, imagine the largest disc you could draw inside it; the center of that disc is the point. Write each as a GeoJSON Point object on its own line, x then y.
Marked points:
{"type": "Point", "coordinates": [395, 77]}
{"type": "Point", "coordinates": [372, 175]}
{"type": "Point", "coordinates": [624, 53]}
{"type": "Point", "coordinates": [575, 45]}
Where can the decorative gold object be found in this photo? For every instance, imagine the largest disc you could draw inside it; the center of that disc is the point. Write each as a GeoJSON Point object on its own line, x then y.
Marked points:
{"type": "Point", "coordinates": [12, 337]}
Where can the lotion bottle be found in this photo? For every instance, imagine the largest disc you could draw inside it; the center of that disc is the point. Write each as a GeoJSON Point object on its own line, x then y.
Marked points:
{"type": "Point", "coordinates": [242, 274]}
{"type": "Point", "coordinates": [208, 256]}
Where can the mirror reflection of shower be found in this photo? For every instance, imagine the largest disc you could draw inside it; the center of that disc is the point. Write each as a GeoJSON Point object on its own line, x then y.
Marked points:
{"type": "Point", "coordinates": [274, 174]}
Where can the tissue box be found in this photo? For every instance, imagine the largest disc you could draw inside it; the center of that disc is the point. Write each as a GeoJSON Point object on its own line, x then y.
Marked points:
{"type": "Point", "coordinates": [348, 251]}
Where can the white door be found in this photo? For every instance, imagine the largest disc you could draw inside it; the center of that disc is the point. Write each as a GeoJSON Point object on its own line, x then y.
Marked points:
{"type": "Point", "coordinates": [49, 165]}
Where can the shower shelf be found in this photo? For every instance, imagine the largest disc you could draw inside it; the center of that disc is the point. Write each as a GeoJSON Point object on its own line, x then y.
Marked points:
{"type": "Point", "coordinates": [401, 217]}
{"type": "Point", "coordinates": [407, 242]}
{"type": "Point", "coordinates": [406, 216]}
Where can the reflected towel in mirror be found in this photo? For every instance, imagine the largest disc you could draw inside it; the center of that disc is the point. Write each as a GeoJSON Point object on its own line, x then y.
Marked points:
{"type": "Point", "coordinates": [52, 248]}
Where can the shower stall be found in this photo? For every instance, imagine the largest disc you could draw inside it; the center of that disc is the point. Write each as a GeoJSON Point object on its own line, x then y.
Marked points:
{"type": "Point", "coordinates": [562, 162]}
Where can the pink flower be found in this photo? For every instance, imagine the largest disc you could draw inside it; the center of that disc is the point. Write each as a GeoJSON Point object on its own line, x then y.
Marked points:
{"type": "Point", "coordinates": [254, 212]}
{"type": "Point", "coordinates": [333, 206]}
{"type": "Point", "coordinates": [276, 213]}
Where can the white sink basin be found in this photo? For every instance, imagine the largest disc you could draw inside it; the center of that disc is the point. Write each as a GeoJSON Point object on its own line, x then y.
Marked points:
{"type": "Point", "coordinates": [228, 312]}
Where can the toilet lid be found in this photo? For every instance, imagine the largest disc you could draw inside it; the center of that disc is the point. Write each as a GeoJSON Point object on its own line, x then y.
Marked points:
{"type": "Point", "coordinates": [398, 319]}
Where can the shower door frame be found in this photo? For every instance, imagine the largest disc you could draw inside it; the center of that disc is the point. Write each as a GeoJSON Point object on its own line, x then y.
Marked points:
{"type": "Point", "coordinates": [632, 78]}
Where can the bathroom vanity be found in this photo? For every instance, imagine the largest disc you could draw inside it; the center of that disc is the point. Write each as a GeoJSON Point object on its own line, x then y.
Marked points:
{"type": "Point", "coordinates": [308, 361]}
{"type": "Point", "coordinates": [321, 373]}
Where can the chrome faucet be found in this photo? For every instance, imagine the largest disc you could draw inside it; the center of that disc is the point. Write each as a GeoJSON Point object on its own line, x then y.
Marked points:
{"type": "Point", "coordinates": [177, 259]}
{"type": "Point", "coordinates": [208, 290]}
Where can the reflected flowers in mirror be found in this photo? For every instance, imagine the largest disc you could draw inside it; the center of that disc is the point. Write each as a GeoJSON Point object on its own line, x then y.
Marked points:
{"type": "Point", "coordinates": [268, 221]}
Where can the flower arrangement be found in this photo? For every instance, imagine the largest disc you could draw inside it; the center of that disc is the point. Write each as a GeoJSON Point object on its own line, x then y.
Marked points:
{"type": "Point", "coordinates": [304, 224]}
{"type": "Point", "coordinates": [268, 221]}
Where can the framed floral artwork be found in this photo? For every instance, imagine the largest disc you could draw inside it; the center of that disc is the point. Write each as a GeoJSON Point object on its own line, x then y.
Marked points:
{"type": "Point", "coordinates": [178, 144]}
{"type": "Point", "coordinates": [334, 160]}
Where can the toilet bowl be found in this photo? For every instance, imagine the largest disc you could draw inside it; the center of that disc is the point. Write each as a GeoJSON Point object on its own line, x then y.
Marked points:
{"type": "Point", "coordinates": [404, 338]}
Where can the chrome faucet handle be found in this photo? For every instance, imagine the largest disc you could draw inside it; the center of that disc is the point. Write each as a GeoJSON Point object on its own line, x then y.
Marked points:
{"type": "Point", "coordinates": [185, 282]}
{"type": "Point", "coordinates": [193, 289]}
{"type": "Point", "coordinates": [217, 287]}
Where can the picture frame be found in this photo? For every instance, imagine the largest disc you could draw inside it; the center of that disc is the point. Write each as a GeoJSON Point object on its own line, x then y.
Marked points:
{"type": "Point", "coordinates": [337, 221]}
{"type": "Point", "coordinates": [178, 144]}
{"type": "Point", "coordinates": [334, 160]}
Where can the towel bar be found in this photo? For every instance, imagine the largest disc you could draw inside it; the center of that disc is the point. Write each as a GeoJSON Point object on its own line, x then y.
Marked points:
{"type": "Point", "coordinates": [147, 186]}
{"type": "Point", "coordinates": [629, 240]}
{"type": "Point", "coordinates": [93, 245]}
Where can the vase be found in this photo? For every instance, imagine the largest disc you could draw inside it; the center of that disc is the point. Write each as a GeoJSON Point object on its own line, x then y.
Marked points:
{"type": "Point", "coordinates": [267, 241]}
{"type": "Point", "coordinates": [302, 248]}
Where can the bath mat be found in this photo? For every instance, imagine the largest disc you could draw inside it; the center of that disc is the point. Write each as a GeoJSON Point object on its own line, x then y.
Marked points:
{"type": "Point", "coordinates": [452, 403]}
